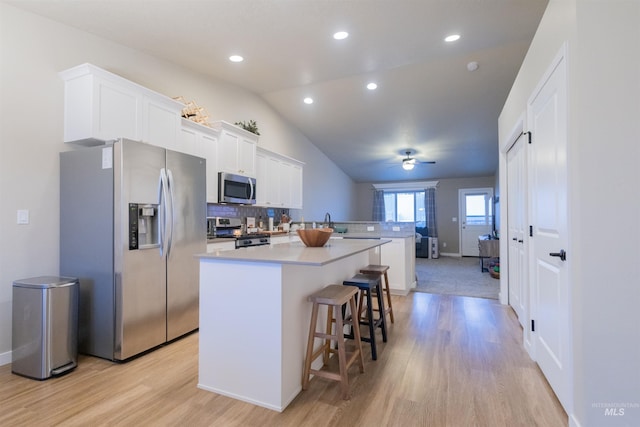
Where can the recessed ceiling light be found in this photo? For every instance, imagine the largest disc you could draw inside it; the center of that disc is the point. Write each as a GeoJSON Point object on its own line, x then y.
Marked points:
{"type": "Point", "coordinates": [472, 66]}
{"type": "Point", "coordinates": [372, 86]}
{"type": "Point", "coordinates": [236, 58]}
{"type": "Point", "coordinates": [452, 38]}
{"type": "Point", "coordinates": [340, 35]}
{"type": "Point", "coordinates": [308, 100]}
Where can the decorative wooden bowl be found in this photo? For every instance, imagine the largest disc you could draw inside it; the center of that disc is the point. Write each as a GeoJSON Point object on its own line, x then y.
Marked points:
{"type": "Point", "coordinates": [315, 237]}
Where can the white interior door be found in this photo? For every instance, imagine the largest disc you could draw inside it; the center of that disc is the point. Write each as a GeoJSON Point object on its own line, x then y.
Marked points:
{"type": "Point", "coordinates": [476, 218]}
{"type": "Point", "coordinates": [551, 311]}
{"type": "Point", "coordinates": [517, 229]}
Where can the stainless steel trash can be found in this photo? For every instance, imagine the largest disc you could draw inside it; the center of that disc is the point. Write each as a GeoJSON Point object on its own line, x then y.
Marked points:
{"type": "Point", "coordinates": [45, 326]}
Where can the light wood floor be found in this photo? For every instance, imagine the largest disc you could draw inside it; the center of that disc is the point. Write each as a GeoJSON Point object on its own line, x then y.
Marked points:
{"type": "Point", "coordinates": [449, 361]}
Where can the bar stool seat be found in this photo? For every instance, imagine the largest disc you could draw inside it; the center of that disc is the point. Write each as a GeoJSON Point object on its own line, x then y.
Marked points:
{"type": "Point", "coordinates": [369, 284]}
{"type": "Point", "coordinates": [382, 271]}
{"type": "Point", "coordinates": [335, 297]}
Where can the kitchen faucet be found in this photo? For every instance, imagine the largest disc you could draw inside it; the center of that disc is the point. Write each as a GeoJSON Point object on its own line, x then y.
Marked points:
{"type": "Point", "coordinates": [327, 220]}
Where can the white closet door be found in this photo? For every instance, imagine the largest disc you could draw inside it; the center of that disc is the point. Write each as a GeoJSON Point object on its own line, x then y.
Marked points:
{"type": "Point", "coordinates": [551, 311]}
{"type": "Point", "coordinates": [517, 233]}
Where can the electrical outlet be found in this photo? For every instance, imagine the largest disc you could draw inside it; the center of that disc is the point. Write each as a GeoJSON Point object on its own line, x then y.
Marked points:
{"type": "Point", "coordinates": [370, 228]}
{"type": "Point", "coordinates": [444, 244]}
{"type": "Point", "coordinates": [395, 228]}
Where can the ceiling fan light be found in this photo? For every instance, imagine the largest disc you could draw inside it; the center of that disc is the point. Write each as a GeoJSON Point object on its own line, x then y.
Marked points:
{"type": "Point", "coordinates": [407, 165]}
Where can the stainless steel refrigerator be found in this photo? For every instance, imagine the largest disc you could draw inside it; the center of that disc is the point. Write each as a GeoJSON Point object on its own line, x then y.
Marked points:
{"type": "Point", "coordinates": [132, 217]}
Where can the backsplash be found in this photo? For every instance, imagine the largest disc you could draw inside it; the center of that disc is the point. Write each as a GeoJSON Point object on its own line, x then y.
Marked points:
{"type": "Point", "coordinates": [242, 211]}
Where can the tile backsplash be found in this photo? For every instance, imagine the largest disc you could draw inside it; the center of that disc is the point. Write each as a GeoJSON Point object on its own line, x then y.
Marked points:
{"type": "Point", "coordinates": [242, 211]}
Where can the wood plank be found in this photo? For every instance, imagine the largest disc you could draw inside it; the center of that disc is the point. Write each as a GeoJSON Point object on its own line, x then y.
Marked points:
{"type": "Point", "coordinates": [449, 361]}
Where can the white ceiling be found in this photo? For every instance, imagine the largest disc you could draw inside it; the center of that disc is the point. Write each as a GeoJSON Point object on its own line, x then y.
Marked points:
{"type": "Point", "coordinates": [426, 100]}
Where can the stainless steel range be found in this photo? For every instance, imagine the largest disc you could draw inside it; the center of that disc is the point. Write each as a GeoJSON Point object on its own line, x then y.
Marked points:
{"type": "Point", "coordinates": [231, 228]}
{"type": "Point", "coordinates": [252, 240]}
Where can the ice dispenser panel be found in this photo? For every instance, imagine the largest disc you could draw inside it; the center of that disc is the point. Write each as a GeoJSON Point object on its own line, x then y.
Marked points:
{"type": "Point", "coordinates": [143, 226]}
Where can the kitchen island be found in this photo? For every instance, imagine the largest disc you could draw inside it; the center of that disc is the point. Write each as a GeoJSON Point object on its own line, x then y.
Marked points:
{"type": "Point", "coordinates": [254, 314]}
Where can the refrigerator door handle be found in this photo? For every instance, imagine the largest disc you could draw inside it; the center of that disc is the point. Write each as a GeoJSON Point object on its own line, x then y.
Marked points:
{"type": "Point", "coordinates": [171, 210]}
{"type": "Point", "coordinates": [163, 197]}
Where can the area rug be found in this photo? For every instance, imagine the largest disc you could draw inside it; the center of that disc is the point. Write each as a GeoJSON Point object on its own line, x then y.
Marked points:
{"type": "Point", "coordinates": [455, 276]}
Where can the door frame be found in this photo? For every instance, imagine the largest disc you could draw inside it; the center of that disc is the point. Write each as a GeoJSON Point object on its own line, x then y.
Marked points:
{"type": "Point", "coordinates": [513, 135]}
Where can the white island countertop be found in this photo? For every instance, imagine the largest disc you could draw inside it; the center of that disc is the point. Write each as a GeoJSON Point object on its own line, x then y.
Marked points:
{"type": "Point", "coordinates": [297, 252]}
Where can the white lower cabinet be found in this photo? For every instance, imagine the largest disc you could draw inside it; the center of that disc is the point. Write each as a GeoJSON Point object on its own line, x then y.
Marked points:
{"type": "Point", "coordinates": [221, 246]}
{"type": "Point", "coordinates": [399, 255]}
{"type": "Point", "coordinates": [276, 240]}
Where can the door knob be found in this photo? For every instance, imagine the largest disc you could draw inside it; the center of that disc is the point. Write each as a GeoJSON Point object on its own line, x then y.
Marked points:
{"type": "Point", "coordinates": [562, 254]}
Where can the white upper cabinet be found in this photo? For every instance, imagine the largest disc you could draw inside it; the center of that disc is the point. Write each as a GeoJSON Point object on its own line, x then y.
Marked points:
{"type": "Point", "coordinates": [236, 149]}
{"type": "Point", "coordinates": [101, 106]}
{"type": "Point", "coordinates": [296, 186]}
{"type": "Point", "coordinates": [201, 141]}
{"type": "Point", "coordinates": [279, 180]}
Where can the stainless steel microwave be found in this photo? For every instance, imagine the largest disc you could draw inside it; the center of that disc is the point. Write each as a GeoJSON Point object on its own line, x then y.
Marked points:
{"type": "Point", "coordinates": [234, 188]}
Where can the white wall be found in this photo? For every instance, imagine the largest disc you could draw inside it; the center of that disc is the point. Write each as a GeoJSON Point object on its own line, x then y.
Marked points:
{"type": "Point", "coordinates": [32, 52]}
{"type": "Point", "coordinates": [603, 41]}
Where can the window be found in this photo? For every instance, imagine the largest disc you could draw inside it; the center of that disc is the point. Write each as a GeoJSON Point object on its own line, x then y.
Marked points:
{"type": "Point", "coordinates": [405, 206]}
{"type": "Point", "coordinates": [479, 209]}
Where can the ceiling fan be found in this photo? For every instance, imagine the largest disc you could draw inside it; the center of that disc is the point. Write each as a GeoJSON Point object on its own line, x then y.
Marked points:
{"type": "Point", "coordinates": [409, 162]}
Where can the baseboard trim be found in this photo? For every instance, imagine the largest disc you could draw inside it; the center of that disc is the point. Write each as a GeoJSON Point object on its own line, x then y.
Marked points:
{"type": "Point", "coordinates": [5, 358]}
{"type": "Point", "coordinates": [450, 254]}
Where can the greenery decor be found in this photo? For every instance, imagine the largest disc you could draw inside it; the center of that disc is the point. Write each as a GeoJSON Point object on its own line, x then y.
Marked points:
{"type": "Point", "coordinates": [250, 126]}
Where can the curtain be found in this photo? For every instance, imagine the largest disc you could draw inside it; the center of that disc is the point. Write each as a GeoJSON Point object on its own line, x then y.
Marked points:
{"type": "Point", "coordinates": [430, 211]}
{"type": "Point", "coordinates": [378, 205]}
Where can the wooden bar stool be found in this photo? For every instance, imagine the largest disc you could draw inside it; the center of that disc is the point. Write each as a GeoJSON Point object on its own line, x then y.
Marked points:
{"type": "Point", "coordinates": [382, 271]}
{"type": "Point", "coordinates": [369, 284]}
{"type": "Point", "coordinates": [334, 297]}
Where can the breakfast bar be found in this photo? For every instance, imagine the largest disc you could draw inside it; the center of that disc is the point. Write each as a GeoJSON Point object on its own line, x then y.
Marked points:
{"type": "Point", "coordinates": [254, 314]}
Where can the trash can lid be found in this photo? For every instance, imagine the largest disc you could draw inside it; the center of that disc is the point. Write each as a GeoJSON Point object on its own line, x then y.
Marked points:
{"type": "Point", "coordinates": [45, 282]}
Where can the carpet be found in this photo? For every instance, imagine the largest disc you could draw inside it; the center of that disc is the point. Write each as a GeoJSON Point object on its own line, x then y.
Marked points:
{"type": "Point", "coordinates": [455, 276]}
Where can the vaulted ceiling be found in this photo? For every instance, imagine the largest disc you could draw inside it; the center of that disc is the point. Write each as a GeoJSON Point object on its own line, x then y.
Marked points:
{"type": "Point", "coordinates": [427, 99]}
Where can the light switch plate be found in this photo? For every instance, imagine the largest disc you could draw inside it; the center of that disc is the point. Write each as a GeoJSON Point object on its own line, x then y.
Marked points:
{"type": "Point", "coordinates": [23, 216]}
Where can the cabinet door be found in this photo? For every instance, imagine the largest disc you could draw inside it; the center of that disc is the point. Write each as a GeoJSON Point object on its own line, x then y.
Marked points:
{"type": "Point", "coordinates": [187, 140]}
{"type": "Point", "coordinates": [116, 112]}
{"type": "Point", "coordinates": [273, 182]}
{"type": "Point", "coordinates": [206, 147]}
{"type": "Point", "coordinates": [236, 154]}
{"type": "Point", "coordinates": [285, 184]}
{"type": "Point", "coordinates": [160, 125]}
{"type": "Point", "coordinates": [228, 152]}
{"type": "Point", "coordinates": [296, 187]}
{"type": "Point", "coordinates": [246, 156]}
{"type": "Point", "coordinates": [262, 178]}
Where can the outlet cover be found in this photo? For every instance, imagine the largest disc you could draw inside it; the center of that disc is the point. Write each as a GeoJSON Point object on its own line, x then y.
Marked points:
{"type": "Point", "coordinates": [370, 228]}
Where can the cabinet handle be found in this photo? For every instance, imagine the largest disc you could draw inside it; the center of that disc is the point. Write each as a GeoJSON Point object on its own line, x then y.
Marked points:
{"type": "Point", "coordinates": [515, 239]}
